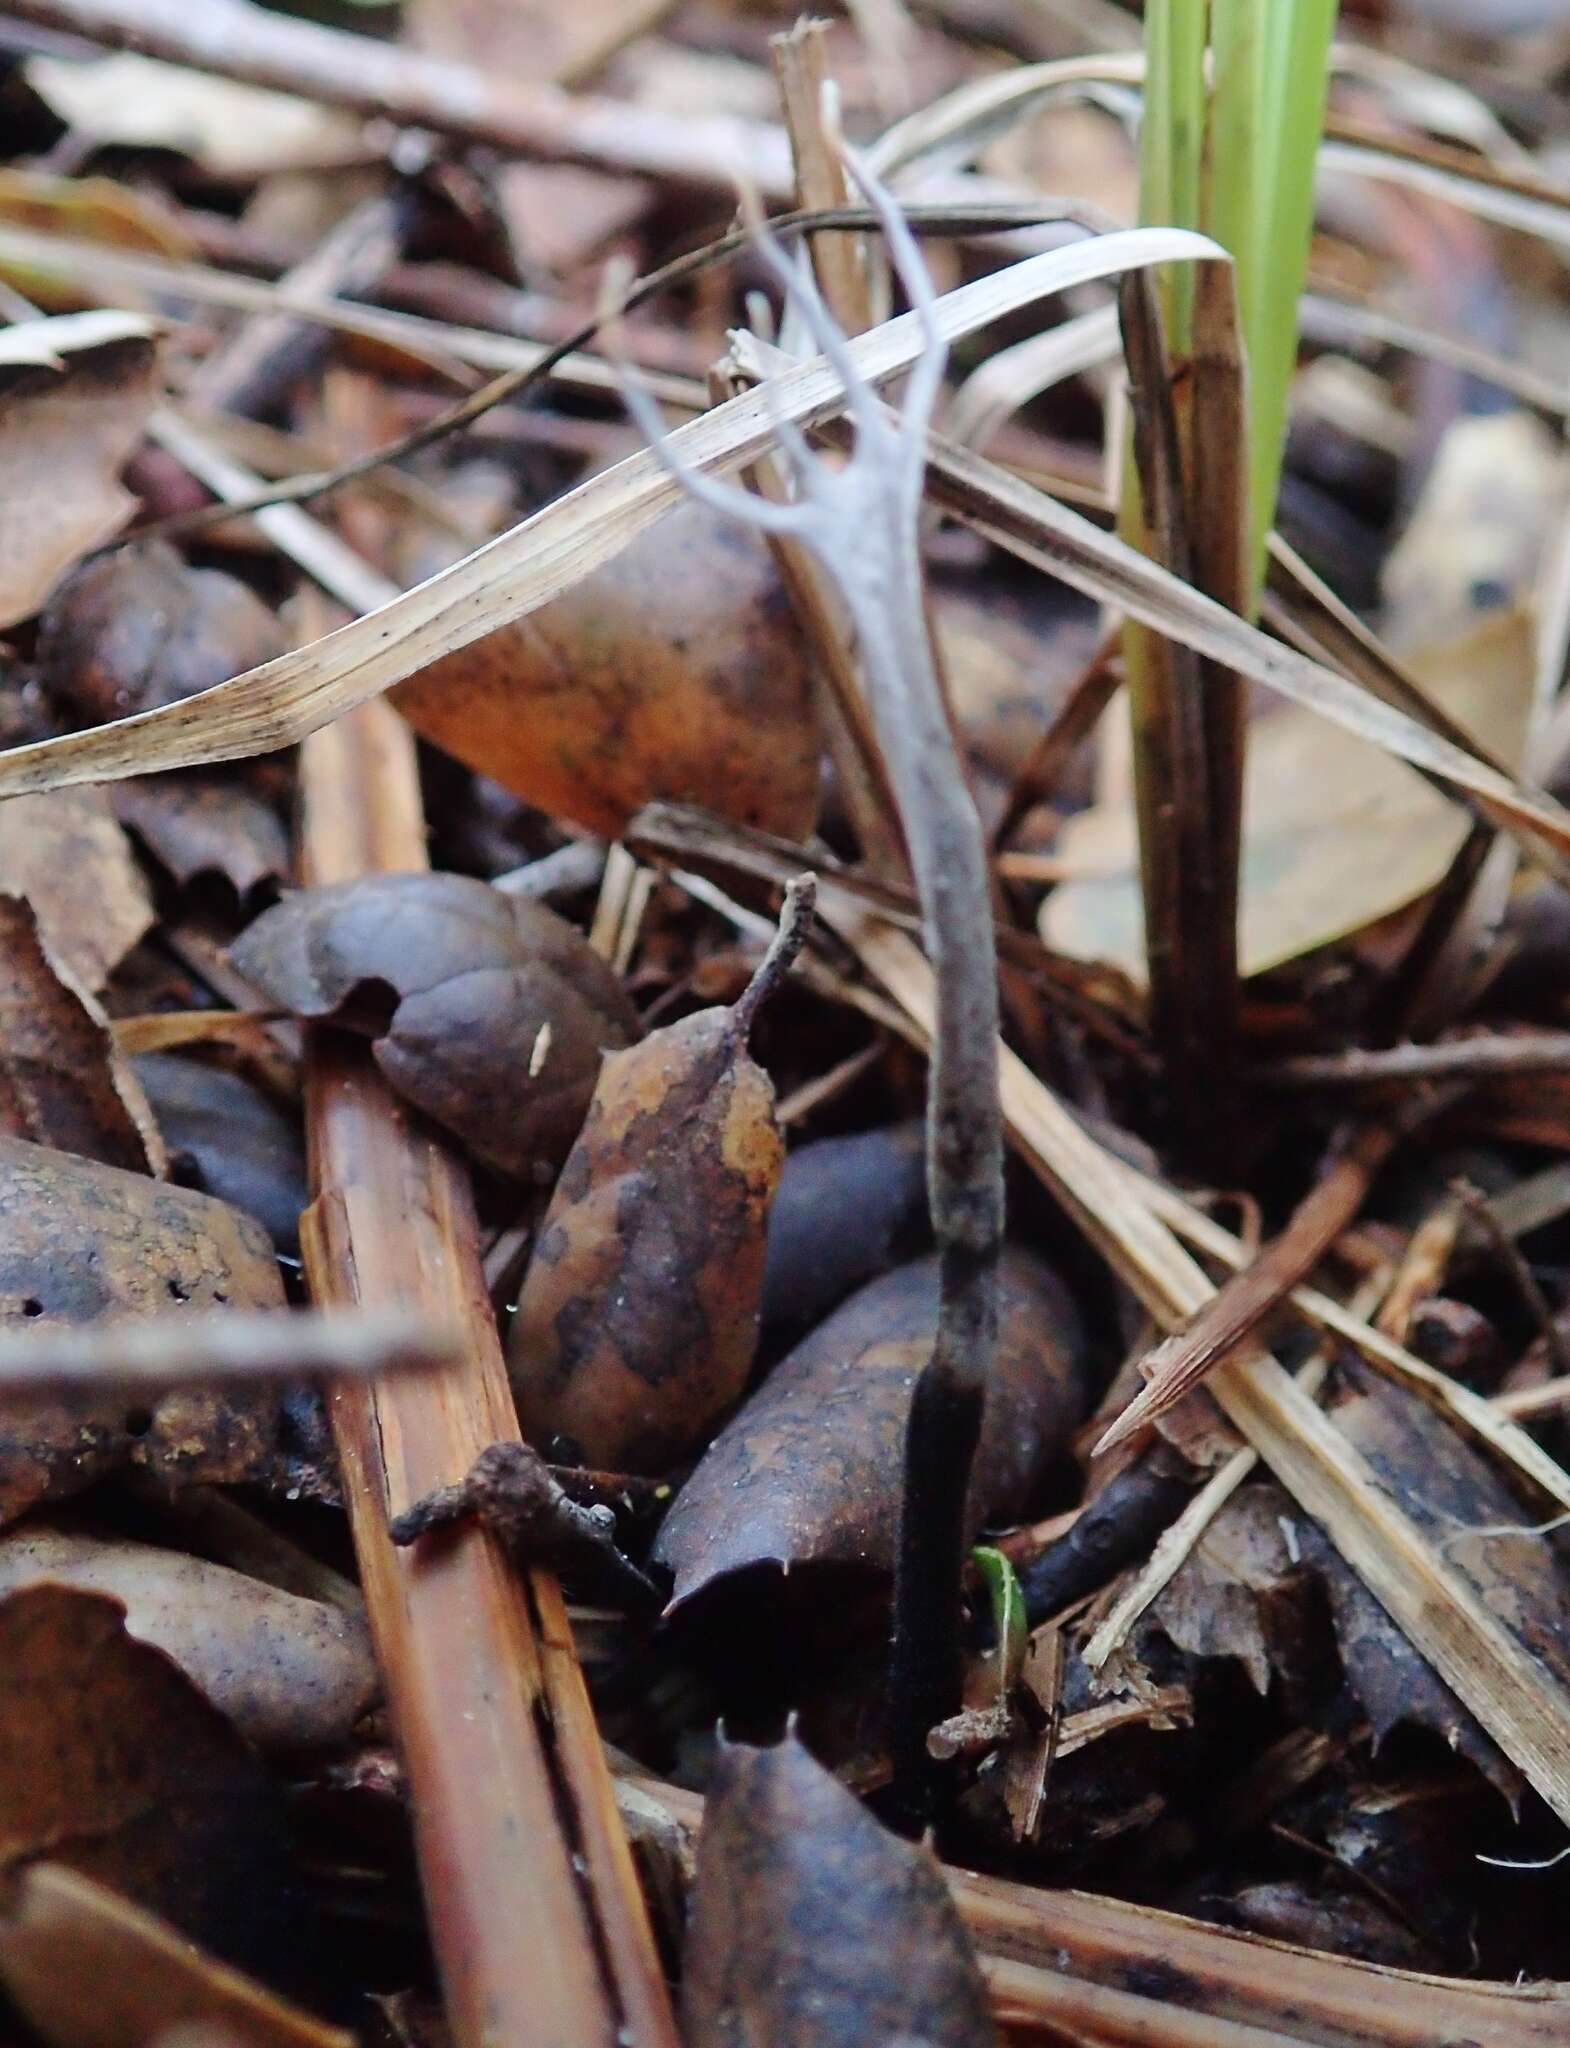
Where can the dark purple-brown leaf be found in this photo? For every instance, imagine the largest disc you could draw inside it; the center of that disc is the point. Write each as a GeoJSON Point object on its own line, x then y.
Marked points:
{"type": "Point", "coordinates": [813, 1927]}
{"type": "Point", "coordinates": [488, 1011]}
{"type": "Point", "coordinates": [809, 1471]}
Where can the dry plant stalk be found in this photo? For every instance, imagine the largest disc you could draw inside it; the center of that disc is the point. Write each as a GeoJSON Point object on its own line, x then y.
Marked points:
{"type": "Point", "coordinates": [538, 1924]}
{"type": "Point", "coordinates": [1191, 516]}
{"type": "Point", "coordinates": [860, 521]}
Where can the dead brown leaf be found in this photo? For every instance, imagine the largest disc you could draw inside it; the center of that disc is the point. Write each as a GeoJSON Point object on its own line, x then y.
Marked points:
{"type": "Point", "coordinates": [639, 1314]}
{"type": "Point", "coordinates": [1336, 833]}
{"type": "Point", "coordinates": [66, 854]}
{"type": "Point", "coordinates": [63, 1081]}
{"type": "Point", "coordinates": [676, 671]}
{"type": "Point", "coordinates": [113, 1763]}
{"type": "Point", "coordinates": [813, 1927]}
{"type": "Point", "coordinates": [86, 1969]}
{"type": "Point", "coordinates": [197, 825]}
{"type": "Point", "coordinates": [140, 628]}
{"type": "Point", "coordinates": [289, 1672]}
{"type": "Point", "coordinates": [810, 1470]}
{"type": "Point", "coordinates": [488, 1011]}
{"type": "Point", "coordinates": [75, 394]}
{"type": "Point", "coordinates": [84, 1242]}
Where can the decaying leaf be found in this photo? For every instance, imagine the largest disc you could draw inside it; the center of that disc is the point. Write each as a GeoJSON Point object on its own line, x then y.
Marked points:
{"type": "Point", "coordinates": [86, 1969]}
{"type": "Point", "coordinates": [1456, 1497]}
{"type": "Point", "coordinates": [113, 1763]}
{"type": "Point", "coordinates": [1476, 536]}
{"type": "Point", "coordinates": [1240, 1591]}
{"type": "Point", "coordinates": [809, 1472]}
{"type": "Point", "coordinates": [1336, 833]}
{"type": "Point", "coordinates": [290, 1673]}
{"type": "Point", "coordinates": [638, 1319]}
{"type": "Point", "coordinates": [677, 671]}
{"type": "Point", "coordinates": [68, 856]}
{"type": "Point", "coordinates": [488, 1011]}
{"type": "Point", "coordinates": [141, 628]}
{"type": "Point", "coordinates": [231, 130]}
{"type": "Point", "coordinates": [813, 1927]}
{"type": "Point", "coordinates": [75, 394]}
{"type": "Point", "coordinates": [62, 1080]}
{"type": "Point", "coordinates": [229, 1139]}
{"type": "Point", "coordinates": [846, 1209]}
{"type": "Point", "coordinates": [84, 1242]}
{"type": "Point", "coordinates": [196, 824]}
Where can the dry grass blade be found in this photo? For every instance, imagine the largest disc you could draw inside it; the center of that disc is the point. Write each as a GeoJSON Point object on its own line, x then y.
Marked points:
{"type": "Point", "coordinates": [213, 1349]}
{"type": "Point", "coordinates": [1443, 1618]}
{"type": "Point", "coordinates": [536, 1919]}
{"type": "Point", "coordinates": [281, 703]}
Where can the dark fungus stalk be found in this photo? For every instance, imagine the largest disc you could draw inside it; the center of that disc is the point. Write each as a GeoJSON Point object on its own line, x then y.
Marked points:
{"type": "Point", "coordinates": [861, 521]}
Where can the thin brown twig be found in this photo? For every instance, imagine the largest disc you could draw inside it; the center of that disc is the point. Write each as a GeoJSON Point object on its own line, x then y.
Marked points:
{"type": "Point", "coordinates": [1494, 1056]}
{"type": "Point", "coordinates": [1225, 1323]}
{"type": "Point", "coordinates": [386, 81]}
{"type": "Point", "coordinates": [1510, 1255]}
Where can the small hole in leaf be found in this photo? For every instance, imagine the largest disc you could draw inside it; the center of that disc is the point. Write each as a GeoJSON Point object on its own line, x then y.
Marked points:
{"type": "Point", "coordinates": [32, 1306]}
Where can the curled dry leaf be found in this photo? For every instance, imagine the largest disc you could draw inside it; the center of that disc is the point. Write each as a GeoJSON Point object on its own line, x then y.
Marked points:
{"type": "Point", "coordinates": [813, 1927]}
{"type": "Point", "coordinates": [113, 1763]}
{"type": "Point", "coordinates": [86, 1969]}
{"type": "Point", "coordinates": [1240, 1592]}
{"type": "Point", "coordinates": [638, 1319]}
{"type": "Point", "coordinates": [809, 1471]}
{"type": "Point", "coordinates": [289, 1672]}
{"type": "Point", "coordinates": [62, 1080]}
{"type": "Point", "coordinates": [230, 1140]}
{"type": "Point", "coordinates": [1336, 833]}
{"type": "Point", "coordinates": [75, 394]}
{"type": "Point", "coordinates": [489, 1012]}
{"type": "Point", "coordinates": [197, 825]}
{"type": "Point", "coordinates": [676, 671]}
{"type": "Point", "coordinates": [84, 1243]}
{"type": "Point", "coordinates": [846, 1209]}
{"type": "Point", "coordinates": [67, 855]}
{"type": "Point", "coordinates": [140, 628]}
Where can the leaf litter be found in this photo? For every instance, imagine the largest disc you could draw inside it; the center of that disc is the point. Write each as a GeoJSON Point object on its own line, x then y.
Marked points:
{"type": "Point", "coordinates": [1293, 1670]}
